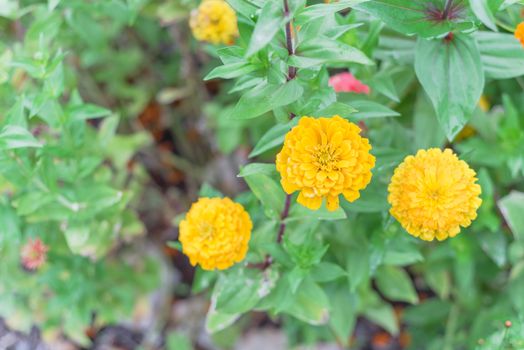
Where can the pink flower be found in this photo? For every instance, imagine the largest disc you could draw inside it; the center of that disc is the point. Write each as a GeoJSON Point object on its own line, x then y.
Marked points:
{"type": "Point", "coordinates": [346, 82]}
{"type": "Point", "coordinates": [33, 254]}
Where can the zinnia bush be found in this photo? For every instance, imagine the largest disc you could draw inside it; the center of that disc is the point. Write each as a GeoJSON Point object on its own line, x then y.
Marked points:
{"type": "Point", "coordinates": [273, 174]}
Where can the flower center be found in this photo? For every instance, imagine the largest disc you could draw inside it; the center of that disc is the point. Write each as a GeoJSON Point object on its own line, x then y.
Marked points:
{"type": "Point", "coordinates": [434, 197]}
{"type": "Point", "coordinates": [325, 158]}
{"type": "Point", "coordinates": [206, 230]}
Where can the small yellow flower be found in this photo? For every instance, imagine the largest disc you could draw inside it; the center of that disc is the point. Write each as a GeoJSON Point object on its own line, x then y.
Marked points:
{"type": "Point", "coordinates": [215, 233]}
{"type": "Point", "coordinates": [433, 194]}
{"type": "Point", "coordinates": [466, 132]}
{"type": "Point", "coordinates": [484, 103]}
{"type": "Point", "coordinates": [519, 33]}
{"type": "Point", "coordinates": [323, 158]}
{"type": "Point", "coordinates": [214, 21]}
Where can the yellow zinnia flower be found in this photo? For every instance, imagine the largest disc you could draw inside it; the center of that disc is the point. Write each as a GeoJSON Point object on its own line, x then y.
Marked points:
{"type": "Point", "coordinates": [433, 194]}
{"type": "Point", "coordinates": [214, 21]}
{"type": "Point", "coordinates": [215, 233]}
{"type": "Point", "coordinates": [323, 158]}
{"type": "Point", "coordinates": [519, 33]}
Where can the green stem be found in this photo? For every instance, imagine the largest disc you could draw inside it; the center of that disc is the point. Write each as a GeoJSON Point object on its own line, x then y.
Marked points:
{"type": "Point", "coordinates": [61, 199]}
{"type": "Point", "coordinates": [451, 326]}
{"type": "Point", "coordinates": [504, 26]}
{"type": "Point", "coordinates": [503, 341]}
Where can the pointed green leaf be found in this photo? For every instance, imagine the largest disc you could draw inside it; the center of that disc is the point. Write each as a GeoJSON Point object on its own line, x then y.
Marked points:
{"type": "Point", "coordinates": [450, 70]}
{"type": "Point", "coordinates": [395, 284]}
{"type": "Point", "coordinates": [270, 21]}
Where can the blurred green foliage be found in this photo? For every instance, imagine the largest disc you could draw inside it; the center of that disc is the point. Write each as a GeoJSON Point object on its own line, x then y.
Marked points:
{"type": "Point", "coordinates": [66, 143]}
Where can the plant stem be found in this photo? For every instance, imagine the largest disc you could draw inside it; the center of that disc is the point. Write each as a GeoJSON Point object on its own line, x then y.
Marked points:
{"type": "Point", "coordinates": [291, 74]}
{"type": "Point", "coordinates": [292, 71]}
{"type": "Point", "coordinates": [503, 341]}
{"type": "Point", "coordinates": [283, 216]}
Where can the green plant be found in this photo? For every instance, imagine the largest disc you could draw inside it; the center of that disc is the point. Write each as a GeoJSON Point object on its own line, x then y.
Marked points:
{"type": "Point", "coordinates": [64, 179]}
{"type": "Point", "coordinates": [427, 63]}
{"type": "Point", "coordinates": [75, 164]}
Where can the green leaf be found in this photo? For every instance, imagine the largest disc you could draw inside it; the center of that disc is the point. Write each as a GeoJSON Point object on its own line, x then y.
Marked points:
{"type": "Point", "coordinates": [323, 50]}
{"type": "Point", "coordinates": [512, 208]}
{"type": "Point", "coordinates": [336, 108]}
{"type": "Point", "coordinates": [315, 11]}
{"type": "Point", "coordinates": [502, 55]}
{"type": "Point", "coordinates": [372, 199]}
{"type": "Point", "coordinates": [357, 266]}
{"type": "Point", "coordinates": [208, 191]}
{"type": "Point", "coordinates": [240, 290]}
{"type": "Point", "coordinates": [87, 111]}
{"type": "Point", "coordinates": [269, 192]}
{"type": "Point", "coordinates": [430, 312]}
{"type": "Point", "coordinates": [266, 97]}
{"type": "Point", "coordinates": [401, 252]}
{"type": "Point", "coordinates": [326, 272]}
{"type": "Point", "coordinates": [494, 244]}
{"type": "Point", "coordinates": [295, 277]}
{"type": "Point", "coordinates": [414, 17]}
{"type": "Point", "coordinates": [384, 84]}
{"type": "Point", "coordinates": [383, 315]}
{"type": "Point", "coordinates": [274, 137]}
{"type": "Point", "coordinates": [395, 284]}
{"type": "Point", "coordinates": [203, 279]}
{"type": "Point", "coordinates": [16, 116]}
{"type": "Point", "coordinates": [343, 317]}
{"type": "Point", "coordinates": [243, 7]}
{"type": "Point", "coordinates": [28, 203]}
{"type": "Point", "coordinates": [231, 70]}
{"type": "Point", "coordinates": [12, 137]}
{"type": "Point", "coordinates": [46, 27]}
{"type": "Point", "coordinates": [269, 23]}
{"type": "Point", "coordinates": [9, 9]}
{"type": "Point", "coordinates": [77, 237]}
{"type": "Point", "coordinates": [427, 130]}
{"type": "Point", "coordinates": [9, 223]}
{"type": "Point", "coordinates": [52, 4]}
{"type": "Point", "coordinates": [310, 304]}
{"type": "Point", "coordinates": [369, 109]}
{"type": "Point", "coordinates": [483, 9]}
{"type": "Point", "coordinates": [439, 280]}
{"type": "Point", "coordinates": [218, 320]}
{"type": "Point", "coordinates": [451, 73]}
{"type": "Point", "coordinates": [107, 130]}
{"type": "Point", "coordinates": [258, 168]}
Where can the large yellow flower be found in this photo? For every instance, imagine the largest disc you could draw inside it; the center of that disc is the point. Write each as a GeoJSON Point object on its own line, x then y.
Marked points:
{"type": "Point", "coordinates": [519, 33]}
{"type": "Point", "coordinates": [214, 21]}
{"type": "Point", "coordinates": [323, 158]}
{"type": "Point", "coordinates": [215, 233]}
{"type": "Point", "coordinates": [433, 194]}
